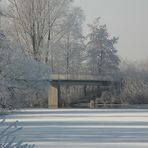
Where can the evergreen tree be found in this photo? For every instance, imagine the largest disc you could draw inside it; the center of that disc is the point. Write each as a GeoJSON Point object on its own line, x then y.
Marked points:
{"type": "Point", "coordinates": [101, 51]}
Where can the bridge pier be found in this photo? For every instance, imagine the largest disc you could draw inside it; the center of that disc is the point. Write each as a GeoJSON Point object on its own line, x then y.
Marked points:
{"type": "Point", "coordinates": [53, 96]}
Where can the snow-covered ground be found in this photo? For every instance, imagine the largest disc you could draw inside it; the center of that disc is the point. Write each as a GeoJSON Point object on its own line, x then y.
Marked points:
{"type": "Point", "coordinates": [83, 128]}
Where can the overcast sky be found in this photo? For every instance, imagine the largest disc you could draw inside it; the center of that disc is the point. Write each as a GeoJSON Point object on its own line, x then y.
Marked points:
{"type": "Point", "coordinates": [126, 19]}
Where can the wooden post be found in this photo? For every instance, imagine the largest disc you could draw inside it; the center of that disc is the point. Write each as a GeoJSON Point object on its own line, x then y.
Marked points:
{"type": "Point", "coordinates": [92, 104]}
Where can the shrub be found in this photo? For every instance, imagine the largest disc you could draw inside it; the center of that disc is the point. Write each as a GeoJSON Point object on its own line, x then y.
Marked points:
{"type": "Point", "coordinates": [8, 139]}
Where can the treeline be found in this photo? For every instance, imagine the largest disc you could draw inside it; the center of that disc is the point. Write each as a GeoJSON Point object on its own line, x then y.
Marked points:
{"type": "Point", "coordinates": [51, 31]}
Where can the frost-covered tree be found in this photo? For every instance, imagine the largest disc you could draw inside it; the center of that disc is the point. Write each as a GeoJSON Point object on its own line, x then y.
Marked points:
{"type": "Point", "coordinates": [101, 50]}
{"type": "Point", "coordinates": [21, 77]}
{"type": "Point", "coordinates": [8, 138]}
{"type": "Point", "coordinates": [135, 83]}
{"type": "Point", "coordinates": [135, 91]}
{"type": "Point", "coordinates": [38, 25]}
{"type": "Point", "coordinates": [70, 48]}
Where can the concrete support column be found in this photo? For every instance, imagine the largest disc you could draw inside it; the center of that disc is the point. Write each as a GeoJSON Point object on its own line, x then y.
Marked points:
{"type": "Point", "coordinates": [53, 97]}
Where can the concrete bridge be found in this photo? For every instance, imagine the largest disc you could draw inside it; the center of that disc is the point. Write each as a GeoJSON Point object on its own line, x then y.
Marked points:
{"type": "Point", "coordinates": [73, 79]}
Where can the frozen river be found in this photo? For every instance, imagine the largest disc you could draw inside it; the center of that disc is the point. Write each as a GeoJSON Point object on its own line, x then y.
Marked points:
{"type": "Point", "coordinates": [83, 128]}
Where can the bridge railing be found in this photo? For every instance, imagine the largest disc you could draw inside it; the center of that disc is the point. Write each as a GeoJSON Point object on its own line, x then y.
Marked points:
{"type": "Point", "coordinates": [80, 77]}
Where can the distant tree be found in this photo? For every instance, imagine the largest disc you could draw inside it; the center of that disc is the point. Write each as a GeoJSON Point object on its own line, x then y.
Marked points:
{"type": "Point", "coordinates": [101, 52]}
{"type": "Point", "coordinates": [71, 46]}
{"type": "Point", "coordinates": [135, 91]}
{"type": "Point", "coordinates": [135, 83]}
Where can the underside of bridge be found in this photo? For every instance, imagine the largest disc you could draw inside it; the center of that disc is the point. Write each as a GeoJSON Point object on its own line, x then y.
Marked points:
{"type": "Point", "coordinates": [56, 101]}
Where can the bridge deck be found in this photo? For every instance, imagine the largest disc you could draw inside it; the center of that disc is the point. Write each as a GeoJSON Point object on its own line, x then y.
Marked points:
{"type": "Point", "coordinates": [81, 79]}
{"type": "Point", "coordinates": [75, 77]}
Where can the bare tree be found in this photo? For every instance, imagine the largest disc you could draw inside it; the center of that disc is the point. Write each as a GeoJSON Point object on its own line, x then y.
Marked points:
{"type": "Point", "coordinates": [38, 23]}
{"type": "Point", "coordinates": [71, 46]}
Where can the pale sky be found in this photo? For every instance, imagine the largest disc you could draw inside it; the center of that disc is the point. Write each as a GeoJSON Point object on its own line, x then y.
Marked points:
{"type": "Point", "coordinates": [126, 19]}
